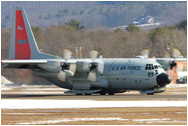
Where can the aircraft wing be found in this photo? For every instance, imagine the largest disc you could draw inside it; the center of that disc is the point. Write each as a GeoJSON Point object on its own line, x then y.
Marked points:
{"type": "Point", "coordinates": [22, 63]}
{"type": "Point", "coordinates": [171, 59]}
{"type": "Point", "coordinates": [169, 62]}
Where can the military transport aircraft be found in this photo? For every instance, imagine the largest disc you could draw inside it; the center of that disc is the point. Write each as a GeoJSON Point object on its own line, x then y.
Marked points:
{"type": "Point", "coordinates": [82, 76]}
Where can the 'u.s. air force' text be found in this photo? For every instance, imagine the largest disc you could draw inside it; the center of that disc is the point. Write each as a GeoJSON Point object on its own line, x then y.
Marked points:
{"type": "Point", "coordinates": [126, 67]}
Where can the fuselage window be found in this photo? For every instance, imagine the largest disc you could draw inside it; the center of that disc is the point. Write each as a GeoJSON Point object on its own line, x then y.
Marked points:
{"type": "Point", "coordinates": [150, 74]}
{"type": "Point", "coordinates": [156, 71]}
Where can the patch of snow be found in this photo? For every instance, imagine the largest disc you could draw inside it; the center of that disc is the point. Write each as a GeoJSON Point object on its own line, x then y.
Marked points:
{"type": "Point", "coordinates": [33, 93]}
{"type": "Point", "coordinates": [44, 89]}
{"type": "Point", "coordinates": [71, 120]}
{"type": "Point", "coordinates": [4, 80]}
{"type": "Point", "coordinates": [43, 104]}
{"type": "Point", "coordinates": [147, 120]}
{"type": "Point", "coordinates": [158, 121]}
{"type": "Point", "coordinates": [180, 112]}
{"type": "Point", "coordinates": [176, 85]}
{"type": "Point", "coordinates": [28, 113]}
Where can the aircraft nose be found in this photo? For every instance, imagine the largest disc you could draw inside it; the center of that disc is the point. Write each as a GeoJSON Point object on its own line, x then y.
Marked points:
{"type": "Point", "coordinates": [163, 79]}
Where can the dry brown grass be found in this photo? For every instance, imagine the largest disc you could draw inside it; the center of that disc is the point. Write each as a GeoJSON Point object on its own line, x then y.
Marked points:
{"type": "Point", "coordinates": [174, 116]}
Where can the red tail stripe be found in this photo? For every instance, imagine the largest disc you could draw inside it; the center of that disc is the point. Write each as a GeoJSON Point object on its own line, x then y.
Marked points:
{"type": "Point", "coordinates": [22, 48]}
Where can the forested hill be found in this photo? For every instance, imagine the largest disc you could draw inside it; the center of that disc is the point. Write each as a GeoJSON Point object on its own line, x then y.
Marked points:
{"type": "Point", "coordinates": [94, 14]}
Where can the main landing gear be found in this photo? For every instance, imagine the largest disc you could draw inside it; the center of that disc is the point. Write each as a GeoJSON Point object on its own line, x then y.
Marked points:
{"type": "Point", "coordinates": [150, 93]}
{"type": "Point", "coordinates": [101, 93]}
{"type": "Point", "coordinates": [82, 94]}
{"type": "Point", "coordinates": [104, 93]}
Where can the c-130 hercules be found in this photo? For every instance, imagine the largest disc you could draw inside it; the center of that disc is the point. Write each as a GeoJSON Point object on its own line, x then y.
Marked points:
{"type": "Point", "coordinates": [82, 76]}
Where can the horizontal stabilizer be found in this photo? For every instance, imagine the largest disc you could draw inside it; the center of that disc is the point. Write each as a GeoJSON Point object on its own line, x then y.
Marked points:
{"type": "Point", "coordinates": [82, 91]}
{"type": "Point", "coordinates": [22, 63]}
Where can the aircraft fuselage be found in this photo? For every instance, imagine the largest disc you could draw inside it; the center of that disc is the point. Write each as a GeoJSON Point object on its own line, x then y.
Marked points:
{"type": "Point", "coordinates": [119, 75]}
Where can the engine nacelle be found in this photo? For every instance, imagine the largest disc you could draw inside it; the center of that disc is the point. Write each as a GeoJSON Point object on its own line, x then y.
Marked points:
{"type": "Point", "coordinates": [83, 67]}
{"type": "Point", "coordinates": [50, 67]}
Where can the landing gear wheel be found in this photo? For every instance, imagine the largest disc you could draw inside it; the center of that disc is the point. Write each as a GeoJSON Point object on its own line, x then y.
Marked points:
{"type": "Point", "coordinates": [111, 93]}
{"type": "Point", "coordinates": [78, 94]}
{"type": "Point", "coordinates": [87, 94]}
{"type": "Point", "coordinates": [102, 93]}
{"type": "Point", "coordinates": [150, 93]}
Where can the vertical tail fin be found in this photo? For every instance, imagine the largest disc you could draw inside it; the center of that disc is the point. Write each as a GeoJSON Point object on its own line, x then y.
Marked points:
{"type": "Point", "coordinates": [22, 43]}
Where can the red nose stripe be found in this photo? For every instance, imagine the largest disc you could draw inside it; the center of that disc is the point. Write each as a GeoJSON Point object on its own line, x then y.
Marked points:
{"type": "Point", "coordinates": [22, 49]}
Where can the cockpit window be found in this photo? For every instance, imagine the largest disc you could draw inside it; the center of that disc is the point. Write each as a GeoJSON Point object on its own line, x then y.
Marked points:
{"type": "Point", "coordinates": [157, 66]}
{"type": "Point", "coordinates": [149, 67]}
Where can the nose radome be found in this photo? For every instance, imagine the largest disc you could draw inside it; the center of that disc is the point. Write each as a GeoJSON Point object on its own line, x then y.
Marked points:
{"type": "Point", "coordinates": [163, 79]}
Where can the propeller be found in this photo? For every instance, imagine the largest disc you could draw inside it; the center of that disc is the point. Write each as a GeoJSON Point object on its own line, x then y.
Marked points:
{"type": "Point", "coordinates": [166, 62]}
{"type": "Point", "coordinates": [67, 54]}
{"type": "Point", "coordinates": [97, 65]}
{"type": "Point", "coordinates": [175, 54]}
{"type": "Point", "coordinates": [65, 69]}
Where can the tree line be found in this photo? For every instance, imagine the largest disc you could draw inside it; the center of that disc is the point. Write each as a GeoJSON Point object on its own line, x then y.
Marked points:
{"type": "Point", "coordinates": [109, 43]}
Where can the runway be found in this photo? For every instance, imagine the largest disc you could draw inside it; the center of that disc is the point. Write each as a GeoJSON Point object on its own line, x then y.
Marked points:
{"type": "Point", "coordinates": [48, 105]}
{"type": "Point", "coordinates": [172, 93]}
{"type": "Point", "coordinates": [124, 97]}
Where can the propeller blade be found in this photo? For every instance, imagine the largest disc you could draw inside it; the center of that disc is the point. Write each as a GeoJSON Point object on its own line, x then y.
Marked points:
{"type": "Point", "coordinates": [93, 54]}
{"type": "Point", "coordinates": [145, 53]}
{"type": "Point", "coordinates": [92, 76]}
{"type": "Point", "coordinates": [100, 67]}
{"type": "Point", "coordinates": [61, 75]}
{"type": "Point", "coordinates": [67, 54]}
{"type": "Point", "coordinates": [176, 53]}
{"type": "Point", "coordinates": [180, 67]}
{"type": "Point", "coordinates": [166, 62]}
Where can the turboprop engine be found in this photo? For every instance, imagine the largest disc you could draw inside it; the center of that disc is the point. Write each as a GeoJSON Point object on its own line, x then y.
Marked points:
{"type": "Point", "coordinates": [91, 67]}
{"type": "Point", "coordinates": [63, 69]}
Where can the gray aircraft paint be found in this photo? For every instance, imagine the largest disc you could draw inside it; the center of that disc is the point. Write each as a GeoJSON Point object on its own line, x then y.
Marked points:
{"type": "Point", "coordinates": [119, 75]}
